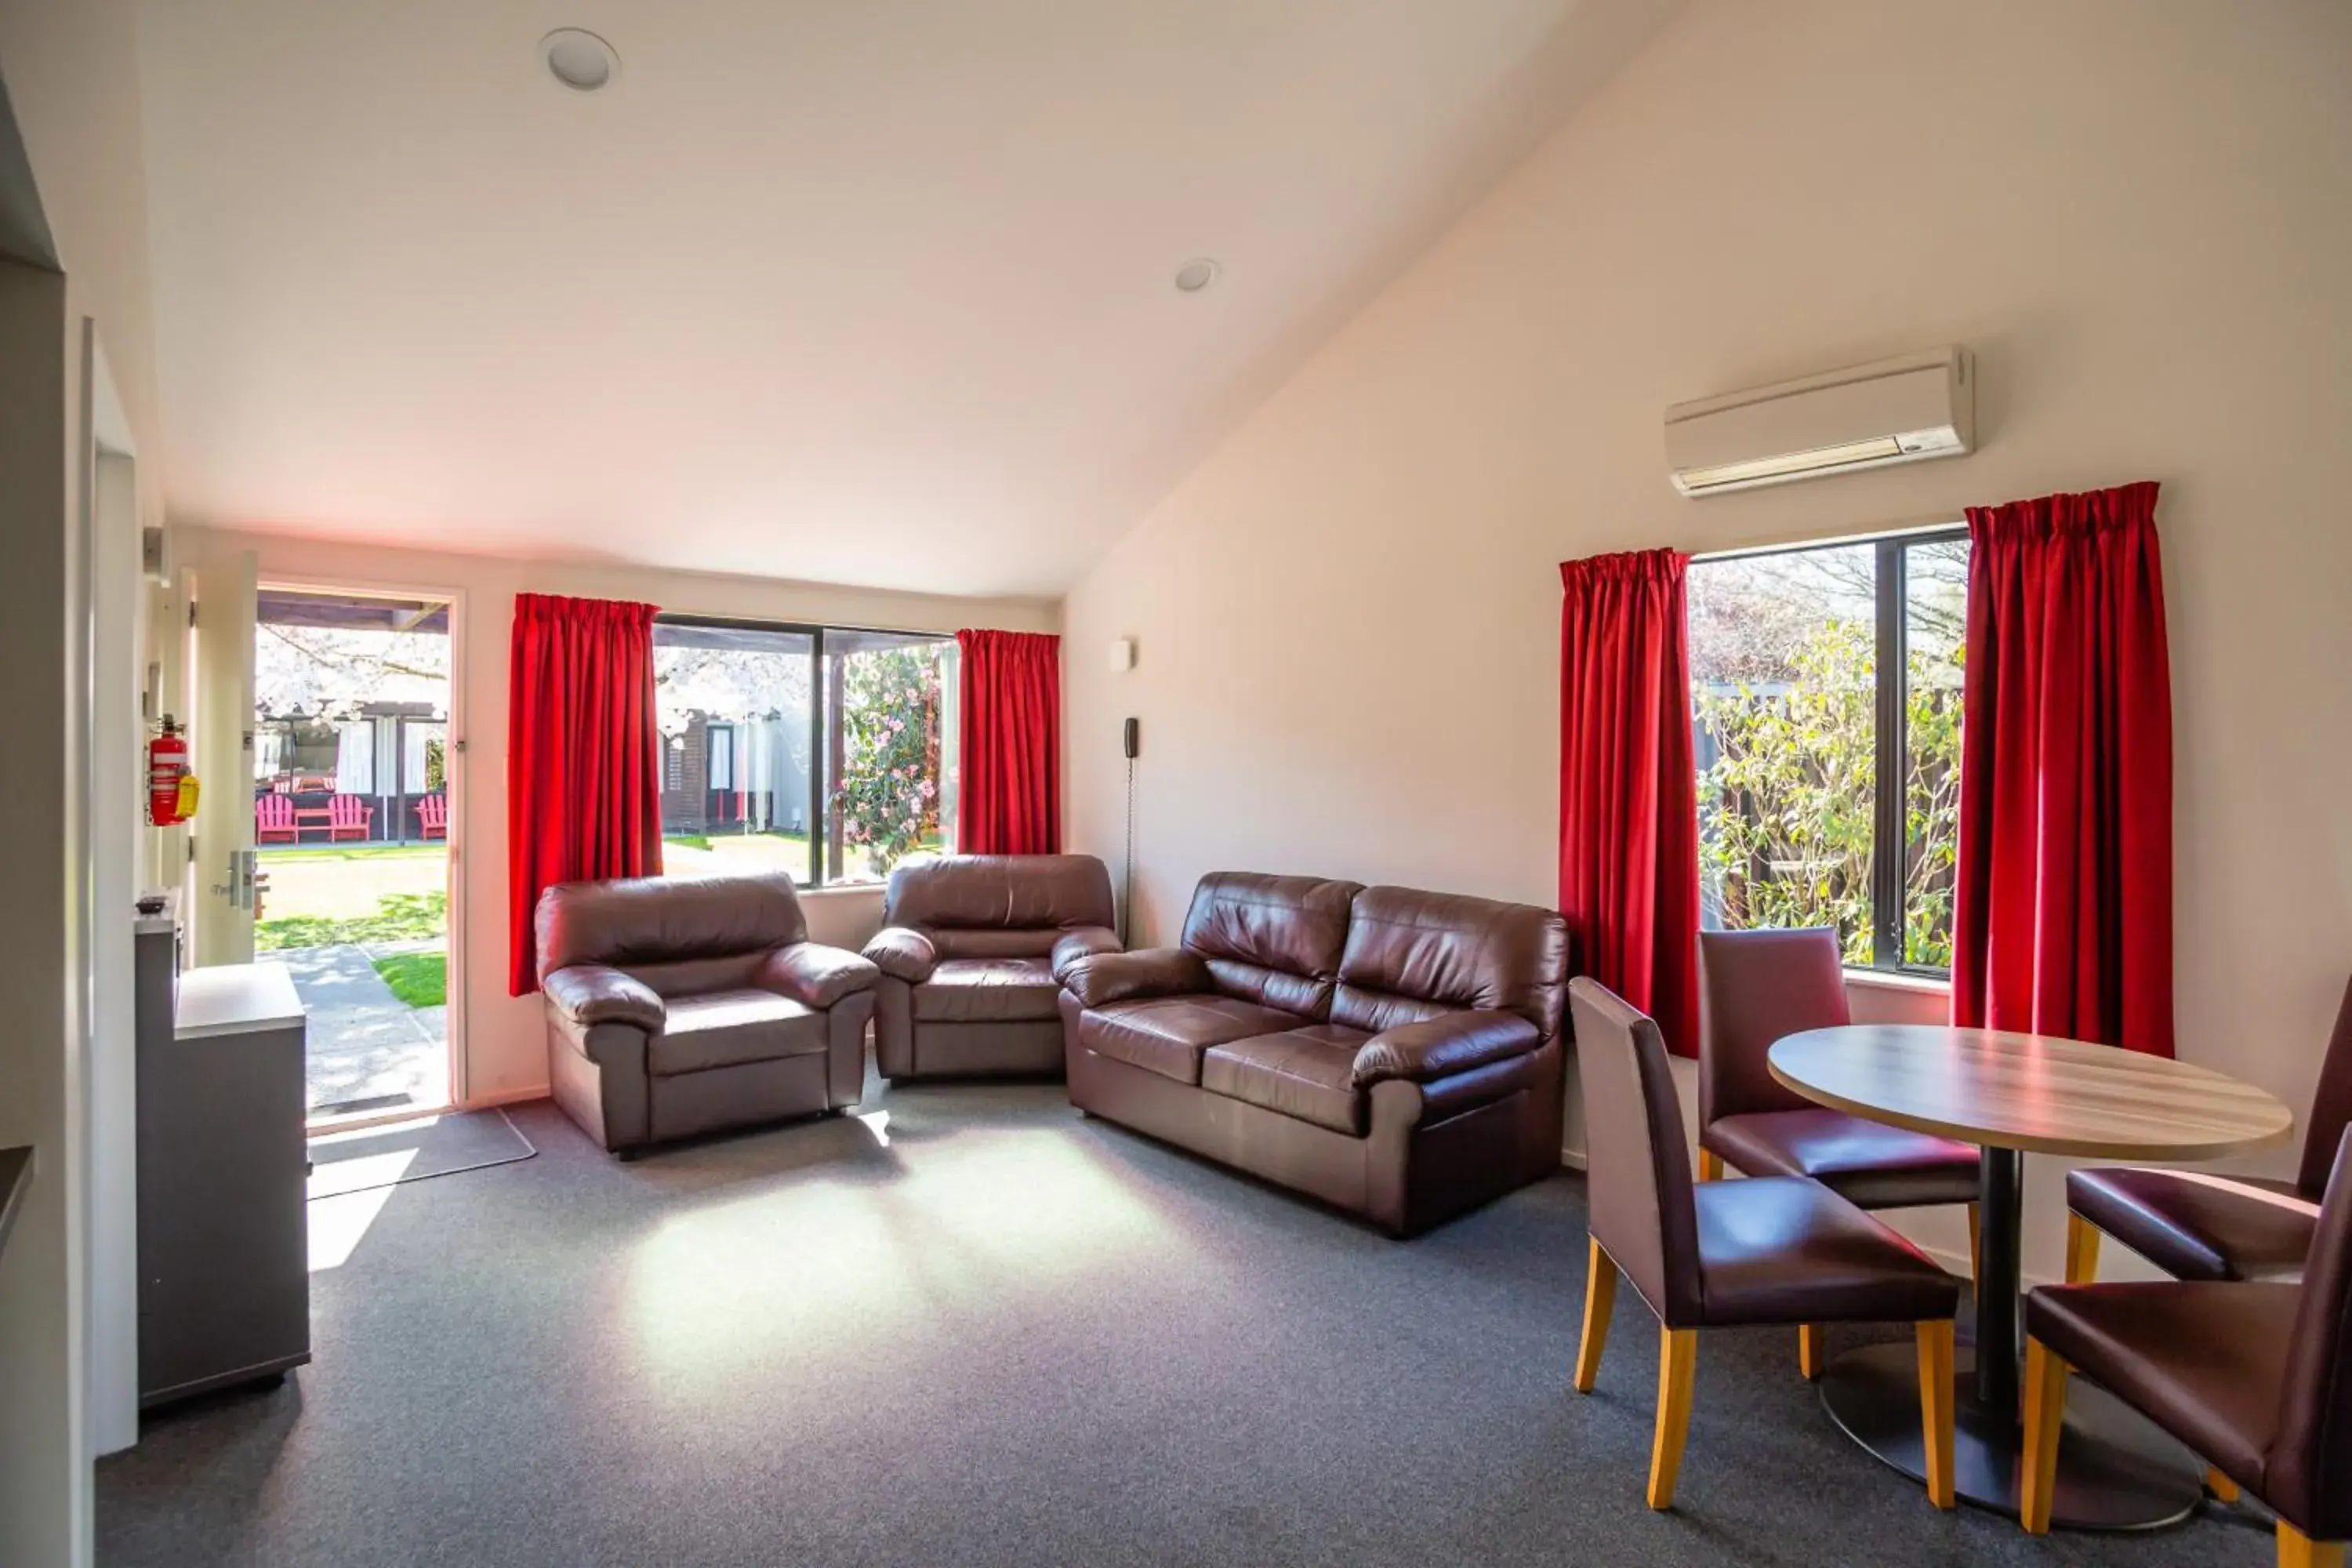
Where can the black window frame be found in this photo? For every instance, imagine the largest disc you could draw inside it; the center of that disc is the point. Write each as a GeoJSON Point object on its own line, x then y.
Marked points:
{"type": "Point", "coordinates": [823, 748]}
{"type": "Point", "coordinates": [1890, 844]}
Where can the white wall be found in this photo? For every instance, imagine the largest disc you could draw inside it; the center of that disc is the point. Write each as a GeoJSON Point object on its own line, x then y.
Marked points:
{"type": "Point", "coordinates": [2136, 213]}
{"type": "Point", "coordinates": [506, 1042]}
{"type": "Point", "coordinates": [71, 73]}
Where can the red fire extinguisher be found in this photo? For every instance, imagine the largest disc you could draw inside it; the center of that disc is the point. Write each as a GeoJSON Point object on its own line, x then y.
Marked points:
{"type": "Point", "coordinates": [171, 788]}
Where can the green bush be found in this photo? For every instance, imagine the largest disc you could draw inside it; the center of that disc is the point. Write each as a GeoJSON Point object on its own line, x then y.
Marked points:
{"type": "Point", "coordinates": [888, 798]}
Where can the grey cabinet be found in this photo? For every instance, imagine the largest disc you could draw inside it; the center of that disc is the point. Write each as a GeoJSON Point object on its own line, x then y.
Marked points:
{"type": "Point", "coordinates": [224, 1257]}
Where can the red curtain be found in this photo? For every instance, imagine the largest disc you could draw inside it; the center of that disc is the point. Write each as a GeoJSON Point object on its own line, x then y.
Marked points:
{"type": "Point", "coordinates": [584, 755]}
{"type": "Point", "coordinates": [1628, 792]}
{"type": "Point", "coordinates": [1009, 778]}
{"type": "Point", "coordinates": [2062, 908]}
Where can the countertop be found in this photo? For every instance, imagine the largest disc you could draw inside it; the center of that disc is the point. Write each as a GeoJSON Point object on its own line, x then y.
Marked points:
{"type": "Point", "coordinates": [236, 999]}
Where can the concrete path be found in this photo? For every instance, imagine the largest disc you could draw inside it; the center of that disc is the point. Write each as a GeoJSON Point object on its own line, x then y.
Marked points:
{"type": "Point", "coordinates": [366, 1045]}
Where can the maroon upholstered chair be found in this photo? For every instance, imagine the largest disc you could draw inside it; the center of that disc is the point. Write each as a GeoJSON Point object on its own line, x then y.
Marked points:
{"type": "Point", "coordinates": [2194, 1225]}
{"type": "Point", "coordinates": [1718, 1255]}
{"type": "Point", "coordinates": [2255, 1377]}
{"type": "Point", "coordinates": [1761, 987]}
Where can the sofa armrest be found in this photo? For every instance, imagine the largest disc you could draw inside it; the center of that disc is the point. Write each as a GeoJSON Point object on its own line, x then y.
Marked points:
{"type": "Point", "coordinates": [1106, 977]}
{"type": "Point", "coordinates": [1449, 1043]}
{"type": "Point", "coordinates": [815, 975]}
{"type": "Point", "coordinates": [1083, 942]}
{"type": "Point", "coordinates": [591, 994]}
{"type": "Point", "coordinates": [902, 953]}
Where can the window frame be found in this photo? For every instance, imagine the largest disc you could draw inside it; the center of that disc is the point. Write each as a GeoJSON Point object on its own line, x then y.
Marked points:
{"type": "Point", "coordinates": [1889, 833]}
{"type": "Point", "coordinates": [823, 872]}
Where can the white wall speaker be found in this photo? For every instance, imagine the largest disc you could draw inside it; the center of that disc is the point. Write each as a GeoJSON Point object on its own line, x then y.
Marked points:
{"type": "Point", "coordinates": [1122, 655]}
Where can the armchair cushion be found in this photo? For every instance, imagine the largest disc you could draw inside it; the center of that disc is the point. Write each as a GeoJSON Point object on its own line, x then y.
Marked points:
{"type": "Point", "coordinates": [1103, 978]}
{"type": "Point", "coordinates": [902, 953]}
{"type": "Point", "coordinates": [1447, 1044]}
{"type": "Point", "coordinates": [1082, 942]}
{"type": "Point", "coordinates": [815, 975]}
{"type": "Point", "coordinates": [591, 994]}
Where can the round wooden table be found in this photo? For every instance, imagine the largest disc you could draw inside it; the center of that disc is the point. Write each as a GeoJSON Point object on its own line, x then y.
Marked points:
{"type": "Point", "coordinates": [2012, 1094]}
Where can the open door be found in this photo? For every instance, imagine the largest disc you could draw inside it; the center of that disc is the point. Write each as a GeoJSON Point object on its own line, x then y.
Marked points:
{"type": "Point", "coordinates": [221, 895]}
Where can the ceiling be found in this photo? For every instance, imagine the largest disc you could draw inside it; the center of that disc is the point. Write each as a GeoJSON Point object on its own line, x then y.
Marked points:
{"type": "Point", "coordinates": [867, 291]}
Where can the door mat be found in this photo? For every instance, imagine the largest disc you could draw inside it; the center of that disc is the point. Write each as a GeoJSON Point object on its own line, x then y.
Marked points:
{"type": "Point", "coordinates": [429, 1146]}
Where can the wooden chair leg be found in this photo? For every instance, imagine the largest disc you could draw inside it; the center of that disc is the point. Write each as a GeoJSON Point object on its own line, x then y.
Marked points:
{"type": "Point", "coordinates": [1710, 1165]}
{"type": "Point", "coordinates": [2045, 1413]}
{"type": "Point", "coordinates": [2223, 1489]}
{"type": "Point", "coordinates": [1976, 1244]}
{"type": "Point", "coordinates": [2082, 1250]}
{"type": "Point", "coordinates": [1935, 1407]}
{"type": "Point", "coordinates": [1678, 1364]}
{"type": "Point", "coordinates": [2297, 1550]}
{"type": "Point", "coordinates": [1809, 1351]}
{"type": "Point", "coordinates": [1600, 1296]}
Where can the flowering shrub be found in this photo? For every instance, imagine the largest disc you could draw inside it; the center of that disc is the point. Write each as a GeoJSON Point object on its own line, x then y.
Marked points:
{"type": "Point", "coordinates": [888, 802]}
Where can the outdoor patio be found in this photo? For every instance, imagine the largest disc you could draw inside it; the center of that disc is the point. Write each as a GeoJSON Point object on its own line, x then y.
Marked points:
{"type": "Point", "coordinates": [363, 928]}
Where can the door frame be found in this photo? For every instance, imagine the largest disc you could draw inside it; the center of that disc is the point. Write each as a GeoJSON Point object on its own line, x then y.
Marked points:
{"type": "Point", "coordinates": [455, 765]}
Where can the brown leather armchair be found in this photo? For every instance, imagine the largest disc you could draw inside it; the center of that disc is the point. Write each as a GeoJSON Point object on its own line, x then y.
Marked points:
{"type": "Point", "coordinates": [1392, 1052]}
{"type": "Point", "coordinates": [683, 1006]}
{"type": "Point", "coordinates": [967, 953]}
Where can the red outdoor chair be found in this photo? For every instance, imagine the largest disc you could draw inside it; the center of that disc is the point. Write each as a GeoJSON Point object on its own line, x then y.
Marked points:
{"type": "Point", "coordinates": [348, 818]}
{"type": "Point", "coordinates": [432, 816]}
{"type": "Point", "coordinates": [273, 820]}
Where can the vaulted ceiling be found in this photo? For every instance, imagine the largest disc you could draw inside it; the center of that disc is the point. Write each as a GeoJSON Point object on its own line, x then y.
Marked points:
{"type": "Point", "coordinates": [871, 291]}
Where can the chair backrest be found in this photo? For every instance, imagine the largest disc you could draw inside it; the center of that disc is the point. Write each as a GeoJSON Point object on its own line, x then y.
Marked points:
{"type": "Point", "coordinates": [2309, 1473]}
{"type": "Point", "coordinates": [2331, 1106]}
{"type": "Point", "coordinates": [1637, 1175]}
{"type": "Point", "coordinates": [1411, 955]}
{"type": "Point", "coordinates": [274, 811]}
{"type": "Point", "coordinates": [1760, 987]}
{"type": "Point", "coordinates": [679, 935]}
{"type": "Point", "coordinates": [1274, 941]}
{"type": "Point", "coordinates": [348, 811]}
{"type": "Point", "coordinates": [998, 905]}
{"type": "Point", "coordinates": [432, 811]}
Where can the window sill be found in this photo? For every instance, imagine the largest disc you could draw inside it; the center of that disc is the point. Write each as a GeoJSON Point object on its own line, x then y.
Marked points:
{"type": "Point", "coordinates": [1895, 980]}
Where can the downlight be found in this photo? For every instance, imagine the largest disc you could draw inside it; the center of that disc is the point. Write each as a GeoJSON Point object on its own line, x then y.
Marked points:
{"type": "Point", "coordinates": [579, 60]}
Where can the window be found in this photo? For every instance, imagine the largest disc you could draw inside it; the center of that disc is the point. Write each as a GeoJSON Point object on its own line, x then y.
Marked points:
{"type": "Point", "coordinates": [1827, 796]}
{"type": "Point", "coordinates": [821, 750]}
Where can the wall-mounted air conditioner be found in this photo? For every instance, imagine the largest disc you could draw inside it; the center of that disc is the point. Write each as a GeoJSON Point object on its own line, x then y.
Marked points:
{"type": "Point", "coordinates": [1895, 411]}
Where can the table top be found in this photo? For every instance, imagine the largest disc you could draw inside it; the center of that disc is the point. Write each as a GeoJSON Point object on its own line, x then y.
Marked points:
{"type": "Point", "coordinates": [234, 999]}
{"type": "Point", "coordinates": [2032, 1092]}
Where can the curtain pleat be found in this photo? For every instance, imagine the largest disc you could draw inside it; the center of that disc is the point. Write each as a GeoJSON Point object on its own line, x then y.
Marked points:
{"type": "Point", "coordinates": [1008, 794]}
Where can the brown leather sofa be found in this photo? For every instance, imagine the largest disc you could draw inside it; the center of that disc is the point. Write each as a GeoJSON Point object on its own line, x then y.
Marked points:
{"type": "Point", "coordinates": [1391, 1052]}
{"type": "Point", "coordinates": [683, 1006]}
{"type": "Point", "coordinates": [968, 952]}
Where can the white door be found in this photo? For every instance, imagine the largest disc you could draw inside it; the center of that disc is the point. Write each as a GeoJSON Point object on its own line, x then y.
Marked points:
{"type": "Point", "coordinates": [220, 924]}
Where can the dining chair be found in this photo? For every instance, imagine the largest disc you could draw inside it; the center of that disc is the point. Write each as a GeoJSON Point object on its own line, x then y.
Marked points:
{"type": "Point", "coordinates": [2196, 1226]}
{"type": "Point", "coordinates": [1772, 1250]}
{"type": "Point", "coordinates": [1758, 987]}
{"type": "Point", "coordinates": [2254, 1376]}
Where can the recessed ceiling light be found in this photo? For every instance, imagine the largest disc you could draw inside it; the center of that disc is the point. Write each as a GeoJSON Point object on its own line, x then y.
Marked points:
{"type": "Point", "coordinates": [579, 60]}
{"type": "Point", "coordinates": [1196, 275]}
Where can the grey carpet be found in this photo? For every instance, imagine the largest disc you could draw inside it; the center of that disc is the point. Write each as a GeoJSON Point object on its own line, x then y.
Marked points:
{"type": "Point", "coordinates": [445, 1145]}
{"type": "Point", "coordinates": [1008, 1336]}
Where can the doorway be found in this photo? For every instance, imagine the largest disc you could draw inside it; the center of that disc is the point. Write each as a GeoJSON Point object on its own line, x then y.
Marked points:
{"type": "Point", "coordinates": [353, 834]}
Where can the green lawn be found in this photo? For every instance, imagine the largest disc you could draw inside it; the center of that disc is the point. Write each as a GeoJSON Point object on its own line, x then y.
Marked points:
{"type": "Point", "coordinates": [419, 979]}
{"type": "Point", "coordinates": [352, 892]}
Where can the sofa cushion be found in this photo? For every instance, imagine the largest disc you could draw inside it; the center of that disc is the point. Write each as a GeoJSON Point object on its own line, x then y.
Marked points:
{"type": "Point", "coordinates": [1274, 941]}
{"type": "Point", "coordinates": [1166, 1035]}
{"type": "Point", "coordinates": [1001, 892]}
{"type": "Point", "coordinates": [726, 1028]}
{"type": "Point", "coordinates": [1411, 954]}
{"type": "Point", "coordinates": [989, 990]}
{"type": "Point", "coordinates": [1306, 1073]}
